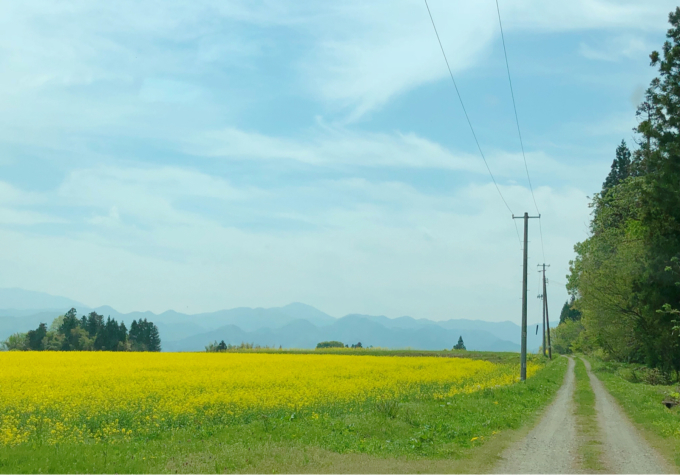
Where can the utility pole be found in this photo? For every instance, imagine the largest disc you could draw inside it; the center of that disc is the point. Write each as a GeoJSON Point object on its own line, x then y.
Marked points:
{"type": "Point", "coordinates": [523, 355]}
{"type": "Point", "coordinates": [545, 309]}
{"type": "Point", "coordinates": [540, 296]}
{"type": "Point", "coordinates": [547, 318]}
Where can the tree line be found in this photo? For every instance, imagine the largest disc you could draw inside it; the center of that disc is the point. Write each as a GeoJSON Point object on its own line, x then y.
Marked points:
{"type": "Point", "coordinates": [625, 280]}
{"type": "Point", "coordinates": [88, 333]}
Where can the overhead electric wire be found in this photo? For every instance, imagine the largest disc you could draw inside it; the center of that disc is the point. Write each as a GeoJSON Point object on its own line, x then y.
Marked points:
{"type": "Point", "coordinates": [460, 99]}
{"type": "Point", "coordinates": [519, 131]}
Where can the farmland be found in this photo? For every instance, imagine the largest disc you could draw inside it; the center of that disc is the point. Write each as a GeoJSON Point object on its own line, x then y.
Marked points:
{"type": "Point", "coordinates": [99, 411]}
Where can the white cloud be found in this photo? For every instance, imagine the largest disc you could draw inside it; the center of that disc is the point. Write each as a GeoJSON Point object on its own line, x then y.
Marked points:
{"type": "Point", "coordinates": [390, 249]}
{"type": "Point", "coordinates": [357, 55]}
{"type": "Point", "coordinates": [616, 48]}
{"type": "Point", "coordinates": [143, 193]}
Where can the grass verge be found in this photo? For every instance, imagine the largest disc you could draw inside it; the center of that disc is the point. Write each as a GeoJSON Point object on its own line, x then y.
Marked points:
{"type": "Point", "coordinates": [584, 398]}
{"type": "Point", "coordinates": [464, 433]}
{"type": "Point", "coordinates": [642, 403]}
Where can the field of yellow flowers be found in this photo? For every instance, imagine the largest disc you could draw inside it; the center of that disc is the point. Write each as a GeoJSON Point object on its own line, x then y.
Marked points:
{"type": "Point", "coordinates": [71, 397]}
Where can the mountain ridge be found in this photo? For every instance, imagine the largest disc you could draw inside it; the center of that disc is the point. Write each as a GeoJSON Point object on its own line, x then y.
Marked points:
{"type": "Point", "coordinates": [284, 326]}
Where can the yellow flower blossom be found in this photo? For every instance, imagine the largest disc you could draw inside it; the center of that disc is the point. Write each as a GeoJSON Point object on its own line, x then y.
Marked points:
{"type": "Point", "coordinates": [104, 397]}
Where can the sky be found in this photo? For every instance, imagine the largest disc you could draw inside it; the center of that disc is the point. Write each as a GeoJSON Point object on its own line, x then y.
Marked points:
{"type": "Point", "coordinates": [204, 155]}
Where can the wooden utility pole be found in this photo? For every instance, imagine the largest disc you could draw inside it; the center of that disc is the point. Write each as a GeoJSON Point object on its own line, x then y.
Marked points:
{"type": "Point", "coordinates": [545, 311]}
{"type": "Point", "coordinates": [523, 354]}
{"type": "Point", "coordinates": [547, 318]}
{"type": "Point", "coordinates": [540, 296]}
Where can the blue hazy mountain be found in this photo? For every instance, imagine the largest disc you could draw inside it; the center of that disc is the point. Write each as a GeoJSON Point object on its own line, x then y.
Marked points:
{"type": "Point", "coordinates": [350, 329]}
{"type": "Point", "coordinates": [293, 326]}
{"type": "Point", "coordinates": [19, 302]}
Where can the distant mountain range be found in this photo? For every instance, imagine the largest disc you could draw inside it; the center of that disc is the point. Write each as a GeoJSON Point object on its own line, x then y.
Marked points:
{"type": "Point", "coordinates": [294, 326]}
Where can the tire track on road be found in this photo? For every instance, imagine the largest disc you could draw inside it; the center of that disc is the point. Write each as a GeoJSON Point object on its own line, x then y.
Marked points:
{"type": "Point", "coordinates": [551, 446]}
{"type": "Point", "coordinates": [624, 450]}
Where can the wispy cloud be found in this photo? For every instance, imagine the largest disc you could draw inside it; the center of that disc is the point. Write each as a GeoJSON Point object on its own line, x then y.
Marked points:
{"type": "Point", "coordinates": [616, 48]}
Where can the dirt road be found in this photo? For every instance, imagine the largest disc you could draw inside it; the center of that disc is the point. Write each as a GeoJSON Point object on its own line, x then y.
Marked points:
{"type": "Point", "coordinates": [624, 449]}
{"type": "Point", "coordinates": [553, 445]}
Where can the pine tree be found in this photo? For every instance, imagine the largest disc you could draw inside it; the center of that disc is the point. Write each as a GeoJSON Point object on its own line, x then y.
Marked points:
{"type": "Point", "coordinates": [154, 338]}
{"type": "Point", "coordinates": [621, 168]}
{"type": "Point", "coordinates": [35, 338]}
{"type": "Point", "coordinates": [460, 345]}
{"type": "Point", "coordinates": [69, 323]}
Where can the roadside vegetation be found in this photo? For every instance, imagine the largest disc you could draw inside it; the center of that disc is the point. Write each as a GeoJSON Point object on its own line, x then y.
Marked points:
{"type": "Point", "coordinates": [589, 444]}
{"type": "Point", "coordinates": [415, 431]}
{"type": "Point", "coordinates": [625, 279]}
{"type": "Point", "coordinates": [624, 284]}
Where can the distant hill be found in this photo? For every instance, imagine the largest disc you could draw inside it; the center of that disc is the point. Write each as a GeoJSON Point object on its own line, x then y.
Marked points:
{"type": "Point", "coordinates": [19, 301]}
{"type": "Point", "coordinates": [350, 329]}
{"type": "Point", "coordinates": [293, 326]}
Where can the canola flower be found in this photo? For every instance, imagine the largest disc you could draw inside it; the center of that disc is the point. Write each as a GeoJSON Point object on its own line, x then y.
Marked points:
{"type": "Point", "coordinates": [99, 397]}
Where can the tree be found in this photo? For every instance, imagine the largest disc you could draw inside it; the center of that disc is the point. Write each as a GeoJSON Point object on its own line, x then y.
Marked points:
{"type": "Point", "coordinates": [222, 346]}
{"type": "Point", "coordinates": [620, 168]}
{"type": "Point", "coordinates": [330, 344]}
{"type": "Point", "coordinates": [15, 342]}
{"type": "Point", "coordinates": [619, 276]}
{"type": "Point", "coordinates": [460, 345]}
{"type": "Point", "coordinates": [93, 323]}
{"type": "Point", "coordinates": [564, 335]}
{"type": "Point", "coordinates": [34, 338]}
{"type": "Point", "coordinates": [69, 323]}
{"type": "Point", "coordinates": [154, 338]}
{"type": "Point", "coordinates": [569, 312]}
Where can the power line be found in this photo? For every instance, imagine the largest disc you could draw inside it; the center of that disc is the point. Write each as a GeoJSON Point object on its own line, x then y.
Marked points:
{"type": "Point", "coordinates": [464, 110]}
{"type": "Point", "coordinates": [519, 131]}
{"type": "Point", "coordinates": [462, 105]}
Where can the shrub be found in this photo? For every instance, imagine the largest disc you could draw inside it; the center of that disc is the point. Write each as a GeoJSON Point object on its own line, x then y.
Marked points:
{"type": "Point", "coordinates": [330, 344]}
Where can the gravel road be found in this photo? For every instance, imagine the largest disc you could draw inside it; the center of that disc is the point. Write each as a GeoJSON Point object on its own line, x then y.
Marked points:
{"type": "Point", "coordinates": [624, 449]}
{"type": "Point", "coordinates": [551, 446]}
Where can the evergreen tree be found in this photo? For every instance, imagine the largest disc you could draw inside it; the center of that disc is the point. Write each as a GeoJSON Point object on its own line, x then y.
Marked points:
{"type": "Point", "coordinates": [68, 324]}
{"type": "Point", "coordinates": [460, 345]}
{"type": "Point", "coordinates": [94, 323]}
{"type": "Point", "coordinates": [569, 313]}
{"type": "Point", "coordinates": [154, 338]}
{"type": "Point", "coordinates": [34, 338]}
{"type": "Point", "coordinates": [620, 168]}
{"type": "Point", "coordinates": [122, 333]}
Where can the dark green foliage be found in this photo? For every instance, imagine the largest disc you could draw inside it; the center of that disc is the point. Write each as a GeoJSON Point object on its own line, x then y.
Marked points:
{"type": "Point", "coordinates": [358, 345]}
{"type": "Point", "coordinates": [620, 168]}
{"type": "Point", "coordinates": [93, 323]}
{"type": "Point", "coordinates": [144, 336]}
{"type": "Point", "coordinates": [628, 298]}
{"type": "Point", "coordinates": [330, 344]}
{"type": "Point", "coordinates": [34, 338]}
{"type": "Point", "coordinates": [569, 312]}
{"type": "Point", "coordinates": [154, 338]}
{"type": "Point", "coordinates": [460, 345]}
{"type": "Point", "coordinates": [68, 333]}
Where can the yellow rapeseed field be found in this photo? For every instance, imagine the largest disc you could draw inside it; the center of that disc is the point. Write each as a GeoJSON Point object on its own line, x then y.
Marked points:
{"type": "Point", "coordinates": [55, 397]}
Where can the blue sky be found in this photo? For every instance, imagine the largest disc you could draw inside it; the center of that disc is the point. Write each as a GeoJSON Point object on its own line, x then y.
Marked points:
{"type": "Point", "coordinates": [205, 155]}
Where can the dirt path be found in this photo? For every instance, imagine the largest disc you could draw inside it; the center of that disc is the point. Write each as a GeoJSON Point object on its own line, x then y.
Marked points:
{"type": "Point", "coordinates": [624, 449]}
{"type": "Point", "coordinates": [551, 446]}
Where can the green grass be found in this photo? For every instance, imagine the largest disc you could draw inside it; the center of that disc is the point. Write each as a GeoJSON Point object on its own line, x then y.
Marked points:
{"type": "Point", "coordinates": [463, 433]}
{"type": "Point", "coordinates": [584, 398]}
{"type": "Point", "coordinates": [492, 356]}
{"type": "Point", "coordinates": [642, 403]}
